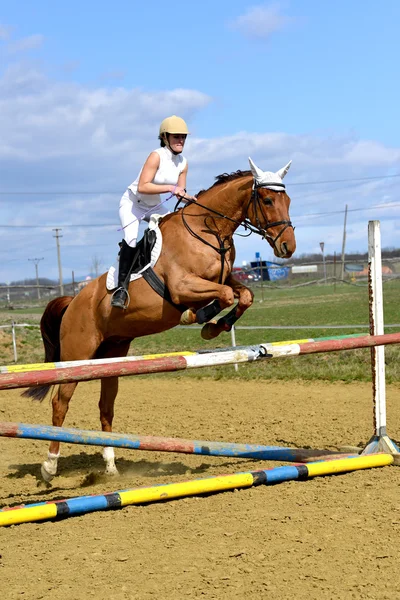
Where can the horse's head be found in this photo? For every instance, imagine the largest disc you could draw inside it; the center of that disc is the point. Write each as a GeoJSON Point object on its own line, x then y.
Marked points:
{"type": "Point", "coordinates": [268, 210]}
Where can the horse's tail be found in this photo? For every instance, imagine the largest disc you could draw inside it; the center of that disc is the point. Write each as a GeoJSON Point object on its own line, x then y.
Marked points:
{"type": "Point", "coordinates": [50, 324]}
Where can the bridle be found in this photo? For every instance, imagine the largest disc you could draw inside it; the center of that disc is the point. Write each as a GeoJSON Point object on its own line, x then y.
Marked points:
{"type": "Point", "coordinates": [256, 202]}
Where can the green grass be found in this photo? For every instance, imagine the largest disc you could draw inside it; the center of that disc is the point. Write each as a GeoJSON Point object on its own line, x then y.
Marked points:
{"type": "Point", "coordinates": [306, 306]}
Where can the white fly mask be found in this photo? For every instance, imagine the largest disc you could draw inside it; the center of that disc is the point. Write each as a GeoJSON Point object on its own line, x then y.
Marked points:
{"type": "Point", "coordinates": [267, 179]}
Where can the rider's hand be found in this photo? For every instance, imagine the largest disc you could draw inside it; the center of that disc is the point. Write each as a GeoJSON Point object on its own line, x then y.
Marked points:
{"type": "Point", "coordinates": [179, 192]}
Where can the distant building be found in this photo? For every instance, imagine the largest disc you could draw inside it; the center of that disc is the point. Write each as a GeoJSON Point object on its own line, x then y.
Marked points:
{"type": "Point", "coordinates": [269, 271]}
{"type": "Point", "coordinates": [83, 284]}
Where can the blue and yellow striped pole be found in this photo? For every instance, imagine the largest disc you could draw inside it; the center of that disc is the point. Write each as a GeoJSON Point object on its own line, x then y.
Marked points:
{"type": "Point", "coordinates": [86, 504]}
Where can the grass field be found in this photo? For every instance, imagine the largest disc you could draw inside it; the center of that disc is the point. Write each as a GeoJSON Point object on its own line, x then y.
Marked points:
{"type": "Point", "coordinates": [316, 306]}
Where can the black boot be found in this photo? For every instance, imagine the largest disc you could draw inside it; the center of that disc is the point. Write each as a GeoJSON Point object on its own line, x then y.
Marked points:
{"type": "Point", "coordinates": [120, 296]}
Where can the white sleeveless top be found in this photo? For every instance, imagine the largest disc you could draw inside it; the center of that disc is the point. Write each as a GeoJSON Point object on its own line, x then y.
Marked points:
{"type": "Point", "coordinates": [171, 166]}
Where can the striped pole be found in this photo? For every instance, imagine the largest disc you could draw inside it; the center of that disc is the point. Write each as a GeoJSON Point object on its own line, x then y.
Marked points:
{"type": "Point", "coordinates": [77, 506]}
{"type": "Point", "coordinates": [188, 361]}
{"type": "Point", "coordinates": [127, 359]}
{"type": "Point", "coordinates": [161, 444]}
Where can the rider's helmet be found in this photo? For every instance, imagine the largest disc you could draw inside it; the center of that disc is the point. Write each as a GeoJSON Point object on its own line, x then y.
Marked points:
{"type": "Point", "coordinates": [173, 124]}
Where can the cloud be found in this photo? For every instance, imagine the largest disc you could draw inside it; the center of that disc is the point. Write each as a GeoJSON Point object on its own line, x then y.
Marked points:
{"type": "Point", "coordinates": [70, 151]}
{"type": "Point", "coordinates": [261, 21]}
{"type": "Point", "coordinates": [43, 120]}
{"type": "Point", "coordinates": [70, 66]}
{"type": "Point", "coordinates": [5, 32]}
{"type": "Point", "coordinates": [25, 44]}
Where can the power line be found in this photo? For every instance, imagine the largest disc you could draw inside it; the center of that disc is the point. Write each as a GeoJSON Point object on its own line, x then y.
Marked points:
{"type": "Point", "coordinates": [100, 225]}
{"type": "Point", "coordinates": [96, 193]}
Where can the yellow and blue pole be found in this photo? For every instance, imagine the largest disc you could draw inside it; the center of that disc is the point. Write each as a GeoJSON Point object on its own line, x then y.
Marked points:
{"type": "Point", "coordinates": [77, 506]}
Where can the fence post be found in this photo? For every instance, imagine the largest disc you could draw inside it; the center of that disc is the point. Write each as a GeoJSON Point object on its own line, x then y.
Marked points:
{"type": "Point", "coordinates": [380, 442]}
{"type": "Point", "coordinates": [233, 338]}
{"type": "Point", "coordinates": [14, 341]}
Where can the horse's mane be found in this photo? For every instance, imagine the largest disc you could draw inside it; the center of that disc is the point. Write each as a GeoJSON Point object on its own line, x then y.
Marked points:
{"type": "Point", "coordinates": [224, 178]}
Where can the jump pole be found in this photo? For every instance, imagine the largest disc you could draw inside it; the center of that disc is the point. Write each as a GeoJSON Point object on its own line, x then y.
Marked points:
{"type": "Point", "coordinates": [380, 441]}
{"type": "Point", "coordinates": [181, 362]}
{"type": "Point", "coordinates": [164, 444]}
{"type": "Point", "coordinates": [127, 359]}
{"type": "Point", "coordinates": [60, 509]}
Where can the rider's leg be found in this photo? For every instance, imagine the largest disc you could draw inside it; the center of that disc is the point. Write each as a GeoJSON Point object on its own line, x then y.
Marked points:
{"type": "Point", "coordinates": [130, 224]}
{"type": "Point", "coordinates": [120, 296]}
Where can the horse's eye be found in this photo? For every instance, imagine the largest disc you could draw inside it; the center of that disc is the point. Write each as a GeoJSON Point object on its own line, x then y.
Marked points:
{"type": "Point", "coordinates": [268, 201]}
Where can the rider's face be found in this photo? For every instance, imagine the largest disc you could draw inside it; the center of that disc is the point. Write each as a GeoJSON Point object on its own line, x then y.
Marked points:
{"type": "Point", "coordinates": [177, 141]}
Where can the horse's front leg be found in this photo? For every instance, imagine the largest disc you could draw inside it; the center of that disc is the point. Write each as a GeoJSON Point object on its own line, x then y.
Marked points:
{"type": "Point", "coordinates": [193, 290]}
{"type": "Point", "coordinates": [225, 323]}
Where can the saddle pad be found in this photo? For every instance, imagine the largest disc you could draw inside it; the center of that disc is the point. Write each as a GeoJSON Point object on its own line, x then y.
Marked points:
{"type": "Point", "coordinates": [112, 275]}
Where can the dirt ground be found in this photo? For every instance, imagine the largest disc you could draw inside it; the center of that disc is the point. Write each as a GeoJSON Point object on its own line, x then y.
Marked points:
{"type": "Point", "coordinates": [329, 537]}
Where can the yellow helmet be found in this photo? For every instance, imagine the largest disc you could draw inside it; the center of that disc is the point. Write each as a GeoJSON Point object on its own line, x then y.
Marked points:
{"type": "Point", "coordinates": [173, 124]}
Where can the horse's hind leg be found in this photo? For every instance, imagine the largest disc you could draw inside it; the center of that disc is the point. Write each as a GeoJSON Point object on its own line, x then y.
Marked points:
{"type": "Point", "coordinates": [60, 403]}
{"type": "Point", "coordinates": [109, 390]}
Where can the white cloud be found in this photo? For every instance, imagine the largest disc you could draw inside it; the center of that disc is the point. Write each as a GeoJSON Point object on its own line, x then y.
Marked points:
{"type": "Point", "coordinates": [30, 42]}
{"type": "Point", "coordinates": [65, 137]}
{"type": "Point", "coordinates": [261, 21]}
{"type": "Point", "coordinates": [5, 32]}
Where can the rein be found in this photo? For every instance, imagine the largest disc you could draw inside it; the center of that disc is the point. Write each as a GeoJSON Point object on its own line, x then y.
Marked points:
{"type": "Point", "coordinates": [222, 249]}
{"type": "Point", "coordinates": [257, 207]}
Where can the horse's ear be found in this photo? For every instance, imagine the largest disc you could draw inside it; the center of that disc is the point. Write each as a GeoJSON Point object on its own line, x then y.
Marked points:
{"type": "Point", "coordinates": [282, 172]}
{"type": "Point", "coordinates": [257, 173]}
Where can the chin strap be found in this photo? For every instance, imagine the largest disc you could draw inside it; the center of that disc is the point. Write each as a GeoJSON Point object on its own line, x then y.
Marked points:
{"type": "Point", "coordinates": [169, 147]}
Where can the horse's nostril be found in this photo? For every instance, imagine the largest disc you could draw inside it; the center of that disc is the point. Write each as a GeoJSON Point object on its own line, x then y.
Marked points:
{"type": "Point", "coordinates": [284, 248]}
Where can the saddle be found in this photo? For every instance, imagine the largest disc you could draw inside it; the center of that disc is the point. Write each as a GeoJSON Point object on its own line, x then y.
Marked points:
{"type": "Point", "coordinates": [147, 253]}
{"type": "Point", "coordinates": [142, 257]}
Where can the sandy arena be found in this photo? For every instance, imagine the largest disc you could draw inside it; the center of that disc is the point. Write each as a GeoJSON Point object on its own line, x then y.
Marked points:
{"type": "Point", "coordinates": [330, 537]}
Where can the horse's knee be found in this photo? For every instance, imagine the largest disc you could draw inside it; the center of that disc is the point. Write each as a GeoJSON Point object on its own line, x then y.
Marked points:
{"type": "Point", "coordinates": [226, 297]}
{"type": "Point", "coordinates": [246, 298]}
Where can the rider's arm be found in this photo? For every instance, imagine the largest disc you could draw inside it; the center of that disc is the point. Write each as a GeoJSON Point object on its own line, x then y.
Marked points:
{"type": "Point", "coordinates": [145, 185]}
{"type": "Point", "coordinates": [182, 184]}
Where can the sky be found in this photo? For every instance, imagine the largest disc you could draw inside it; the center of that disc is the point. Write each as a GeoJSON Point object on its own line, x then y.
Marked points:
{"type": "Point", "coordinates": [85, 85]}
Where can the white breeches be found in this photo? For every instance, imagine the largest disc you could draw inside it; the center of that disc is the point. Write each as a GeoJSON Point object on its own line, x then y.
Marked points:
{"type": "Point", "coordinates": [131, 213]}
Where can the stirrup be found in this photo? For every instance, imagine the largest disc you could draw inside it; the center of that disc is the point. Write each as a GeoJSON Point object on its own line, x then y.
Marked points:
{"type": "Point", "coordinates": [120, 298]}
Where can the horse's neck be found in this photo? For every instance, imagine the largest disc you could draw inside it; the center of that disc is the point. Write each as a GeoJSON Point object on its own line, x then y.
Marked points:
{"type": "Point", "coordinates": [231, 201]}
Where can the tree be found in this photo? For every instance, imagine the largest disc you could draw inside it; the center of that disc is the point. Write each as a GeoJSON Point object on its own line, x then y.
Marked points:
{"type": "Point", "coordinates": [96, 266]}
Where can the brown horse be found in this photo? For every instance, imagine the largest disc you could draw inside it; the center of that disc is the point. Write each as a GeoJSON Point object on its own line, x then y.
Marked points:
{"type": "Point", "coordinates": [195, 266]}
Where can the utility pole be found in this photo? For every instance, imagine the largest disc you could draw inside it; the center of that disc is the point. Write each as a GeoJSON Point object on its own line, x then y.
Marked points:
{"type": "Point", "coordinates": [344, 242]}
{"type": "Point", "coordinates": [36, 261]}
{"type": "Point", "coordinates": [57, 236]}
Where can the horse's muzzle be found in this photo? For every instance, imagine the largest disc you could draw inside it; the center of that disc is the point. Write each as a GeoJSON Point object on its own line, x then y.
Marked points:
{"type": "Point", "coordinates": [285, 249]}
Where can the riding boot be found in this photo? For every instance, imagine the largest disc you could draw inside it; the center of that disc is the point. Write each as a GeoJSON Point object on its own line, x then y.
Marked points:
{"type": "Point", "coordinates": [120, 296]}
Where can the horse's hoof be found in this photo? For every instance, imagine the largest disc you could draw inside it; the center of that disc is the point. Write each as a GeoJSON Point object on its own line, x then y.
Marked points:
{"type": "Point", "coordinates": [210, 331]}
{"type": "Point", "coordinates": [188, 317]}
{"type": "Point", "coordinates": [49, 466]}
{"type": "Point", "coordinates": [113, 471]}
{"type": "Point", "coordinates": [46, 476]}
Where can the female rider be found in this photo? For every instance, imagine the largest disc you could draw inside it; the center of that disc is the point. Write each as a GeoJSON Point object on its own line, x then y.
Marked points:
{"type": "Point", "coordinates": [164, 171]}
